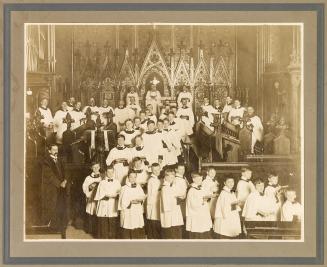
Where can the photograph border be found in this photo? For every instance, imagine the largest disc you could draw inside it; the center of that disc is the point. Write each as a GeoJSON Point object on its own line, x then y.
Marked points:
{"type": "Point", "coordinates": [318, 8]}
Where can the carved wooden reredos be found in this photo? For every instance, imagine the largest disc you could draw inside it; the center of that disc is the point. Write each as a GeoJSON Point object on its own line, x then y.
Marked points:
{"type": "Point", "coordinates": [108, 71]}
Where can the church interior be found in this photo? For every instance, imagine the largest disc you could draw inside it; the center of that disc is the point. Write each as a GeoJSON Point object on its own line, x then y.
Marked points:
{"type": "Point", "coordinates": [258, 66]}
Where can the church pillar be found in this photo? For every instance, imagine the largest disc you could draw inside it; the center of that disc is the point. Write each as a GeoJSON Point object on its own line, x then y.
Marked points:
{"type": "Point", "coordinates": [294, 69]}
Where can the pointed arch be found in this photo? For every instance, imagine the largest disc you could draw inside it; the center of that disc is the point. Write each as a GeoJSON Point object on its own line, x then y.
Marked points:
{"type": "Point", "coordinates": [181, 74]}
{"type": "Point", "coordinates": [221, 76]}
{"type": "Point", "coordinates": [201, 72]}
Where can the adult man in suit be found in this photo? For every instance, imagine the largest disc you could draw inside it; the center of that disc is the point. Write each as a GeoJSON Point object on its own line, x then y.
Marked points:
{"type": "Point", "coordinates": [54, 192]}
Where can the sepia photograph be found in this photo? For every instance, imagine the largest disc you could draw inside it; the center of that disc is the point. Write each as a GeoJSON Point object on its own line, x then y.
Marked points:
{"type": "Point", "coordinates": [161, 131]}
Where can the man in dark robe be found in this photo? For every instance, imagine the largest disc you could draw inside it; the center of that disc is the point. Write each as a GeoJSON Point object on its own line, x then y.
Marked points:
{"type": "Point", "coordinates": [54, 192]}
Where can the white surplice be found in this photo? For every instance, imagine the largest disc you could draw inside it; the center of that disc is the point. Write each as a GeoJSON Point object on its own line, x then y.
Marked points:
{"type": "Point", "coordinates": [271, 192]}
{"type": "Point", "coordinates": [187, 95]}
{"type": "Point", "coordinates": [153, 199]}
{"type": "Point", "coordinates": [47, 116]}
{"type": "Point", "coordinates": [129, 136]}
{"type": "Point", "coordinates": [94, 110]}
{"type": "Point", "coordinates": [90, 201]}
{"type": "Point", "coordinates": [257, 132]}
{"type": "Point", "coordinates": [59, 126]}
{"type": "Point", "coordinates": [153, 98]}
{"type": "Point", "coordinates": [198, 218]}
{"type": "Point", "coordinates": [77, 116]}
{"type": "Point", "coordinates": [227, 220]}
{"type": "Point", "coordinates": [106, 195]}
{"type": "Point", "coordinates": [119, 153]}
{"type": "Point", "coordinates": [186, 117]}
{"type": "Point", "coordinates": [243, 189]}
{"type": "Point", "coordinates": [131, 215]}
{"type": "Point", "coordinates": [256, 205]}
{"type": "Point", "coordinates": [170, 212]}
{"type": "Point", "coordinates": [153, 146]}
{"type": "Point", "coordinates": [289, 210]}
{"type": "Point", "coordinates": [210, 187]}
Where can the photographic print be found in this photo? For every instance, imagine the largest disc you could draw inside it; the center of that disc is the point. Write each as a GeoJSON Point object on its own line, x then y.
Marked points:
{"type": "Point", "coordinates": [160, 131]}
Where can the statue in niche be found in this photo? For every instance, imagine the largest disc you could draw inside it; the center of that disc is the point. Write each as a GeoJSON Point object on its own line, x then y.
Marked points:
{"type": "Point", "coordinates": [153, 96]}
{"type": "Point", "coordinates": [281, 98]}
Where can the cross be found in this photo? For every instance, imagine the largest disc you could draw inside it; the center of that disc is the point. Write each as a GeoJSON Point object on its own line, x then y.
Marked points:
{"type": "Point", "coordinates": [154, 81]}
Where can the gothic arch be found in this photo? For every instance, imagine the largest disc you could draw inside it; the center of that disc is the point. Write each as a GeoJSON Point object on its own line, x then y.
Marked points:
{"type": "Point", "coordinates": [201, 72]}
{"type": "Point", "coordinates": [181, 74]}
{"type": "Point", "coordinates": [154, 64]}
{"type": "Point", "coordinates": [221, 75]}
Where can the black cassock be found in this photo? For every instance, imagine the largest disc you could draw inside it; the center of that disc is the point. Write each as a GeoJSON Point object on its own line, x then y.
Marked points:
{"type": "Point", "coordinates": [54, 198]}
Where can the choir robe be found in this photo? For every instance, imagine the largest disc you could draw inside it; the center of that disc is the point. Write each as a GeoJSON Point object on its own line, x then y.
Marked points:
{"type": "Point", "coordinates": [153, 146]}
{"type": "Point", "coordinates": [208, 118]}
{"type": "Point", "coordinates": [70, 107]}
{"type": "Point", "coordinates": [271, 192]}
{"type": "Point", "coordinates": [186, 117]}
{"type": "Point", "coordinates": [153, 118]}
{"type": "Point", "coordinates": [136, 109]}
{"type": "Point", "coordinates": [131, 215]}
{"type": "Point", "coordinates": [47, 116]}
{"type": "Point", "coordinates": [291, 211]}
{"type": "Point", "coordinates": [243, 189]}
{"type": "Point", "coordinates": [58, 124]}
{"type": "Point", "coordinates": [144, 125]}
{"type": "Point", "coordinates": [107, 207]}
{"type": "Point", "coordinates": [210, 187]}
{"type": "Point", "coordinates": [121, 115]}
{"type": "Point", "coordinates": [257, 132]}
{"type": "Point", "coordinates": [131, 95]}
{"type": "Point", "coordinates": [139, 151]}
{"type": "Point", "coordinates": [102, 110]}
{"type": "Point", "coordinates": [169, 152]}
{"type": "Point", "coordinates": [91, 203]}
{"type": "Point", "coordinates": [227, 218]}
{"type": "Point", "coordinates": [142, 176]}
{"type": "Point", "coordinates": [198, 218]}
{"type": "Point", "coordinates": [153, 98]}
{"type": "Point", "coordinates": [77, 116]}
{"type": "Point", "coordinates": [227, 108]}
{"type": "Point", "coordinates": [236, 113]}
{"type": "Point", "coordinates": [129, 136]}
{"type": "Point", "coordinates": [153, 207]}
{"type": "Point", "coordinates": [170, 211]}
{"type": "Point", "coordinates": [94, 110]}
{"type": "Point", "coordinates": [176, 135]}
{"type": "Point", "coordinates": [187, 95]}
{"type": "Point", "coordinates": [180, 186]}
{"type": "Point", "coordinates": [122, 157]}
{"type": "Point", "coordinates": [257, 204]}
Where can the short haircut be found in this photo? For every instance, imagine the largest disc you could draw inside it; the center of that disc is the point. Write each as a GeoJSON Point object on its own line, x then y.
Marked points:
{"type": "Point", "coordinates": [171, 112]}
{"type": "Point", "coordinates": [258, 181]}
{"type": "Point", "coordinates": [121, 136]}
{"type": "Point", "coordinates": [180, 164]}
{"type": "Point", "coordinates": [128, 121]}
{"type": "Point", "coordinates": [131, 171]}
{"type": "Point", "coordinates": [137, 118]}
{"type": "Point", "coordinates": [138, 136]}
{"type": "Point", "coordinates": [155, 165]}
{"type": "Point", "coordinates": [195, 174]}
{"type": "Point", "coordinates": [142, 111]}
{"type": "Point", "coordinates": [110, 167]}
{"type": "Point", "coordinates": [150, 122]}
{"type": "Point", "coordinates": [51, 145]}
{"type": "Point", "coordinates": [165, 119]}
{"type": "Point", "coordinates": [169, 171]}
{"type": "Point", "coordinates": [95, 163]}
{"type": "Point", "coordinates": [272, 174]}
{"type": "Point", "coordinates": [136, 159]}
{"type": "Point", "coordinates": [160, 120]}
{"type": "Point", "coordinates": [227, 177]}
{"type": "Point", "coordinates": [245, 169]}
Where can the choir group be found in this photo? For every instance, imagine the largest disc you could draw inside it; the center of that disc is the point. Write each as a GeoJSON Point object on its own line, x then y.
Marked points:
{"type": "Point", "coordinates": [144, 191]}
{"type": "Point", "coordinates": [165, 204]}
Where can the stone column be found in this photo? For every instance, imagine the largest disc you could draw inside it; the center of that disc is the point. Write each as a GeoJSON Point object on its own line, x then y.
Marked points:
{"type": "Point", "coordinates": [294, 69]}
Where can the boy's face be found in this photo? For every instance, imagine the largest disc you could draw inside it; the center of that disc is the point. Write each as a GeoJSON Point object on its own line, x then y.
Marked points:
{"type": "Point", "coordinates": [170, 177]}
{"type": "Point", "coordinates": [110, 173]}
{"type": "Point", "coordinates": [151, 127]}
{"type": "Point", "coordinates": [78, 105]}
{"type": "Point", "coordinates": [156, 170]}
{"type": "Point", "coordinates": [212, 173]}
{"type": "Point", "coordinates": [229, 183]}
{"type": "Point", "coordinates": [96, 168]}
{"type": "Point", "coordinates": [273, 180]}
{"type": "Point", "coordinates": [237, 103]}
{"type": "Point", "coordinates": [171, 117]}
{"type": "Point", "coordinates": [217, 103]}
{"type": "Point", "coordinates": [206, 101]}
{"type": "Point", "coordinates": [54, 151]}
{"type": "Point", "coordinates": [44, 102]}
{"type": "Point", "coordinates": [142, 116]}
{"type": "Point", "coordinates": [166, 124]}
{"type": "Point", "coordinates": [138, 164]}
{"type": "Point", "coordinates": [260, 187]}
{"type": "Point", "coordinates": [247, 174]}
{"type": "Point", "coordinates": [197, 179]}
{"type": "Point", "coordinates": [180, 170]}
{"type": "Point", "coordinates": [184, 102]}
{"type": "Point", "coordinates": [137, 122]}
{"type": "Point", "coordinates": [121, 141]}
{"type": "Point", "coordinates": [132, 178]}
{"type": "Point", "coordinates": [121, 103]}
{"type": "Point", "coordinates": [290, 196]}
{"type": "Point", "coordinates": [138, 141]}
{"type": "Point", "coordinates": [129, 125]}
{"type": "Point", "coordinates": [160, 125]}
